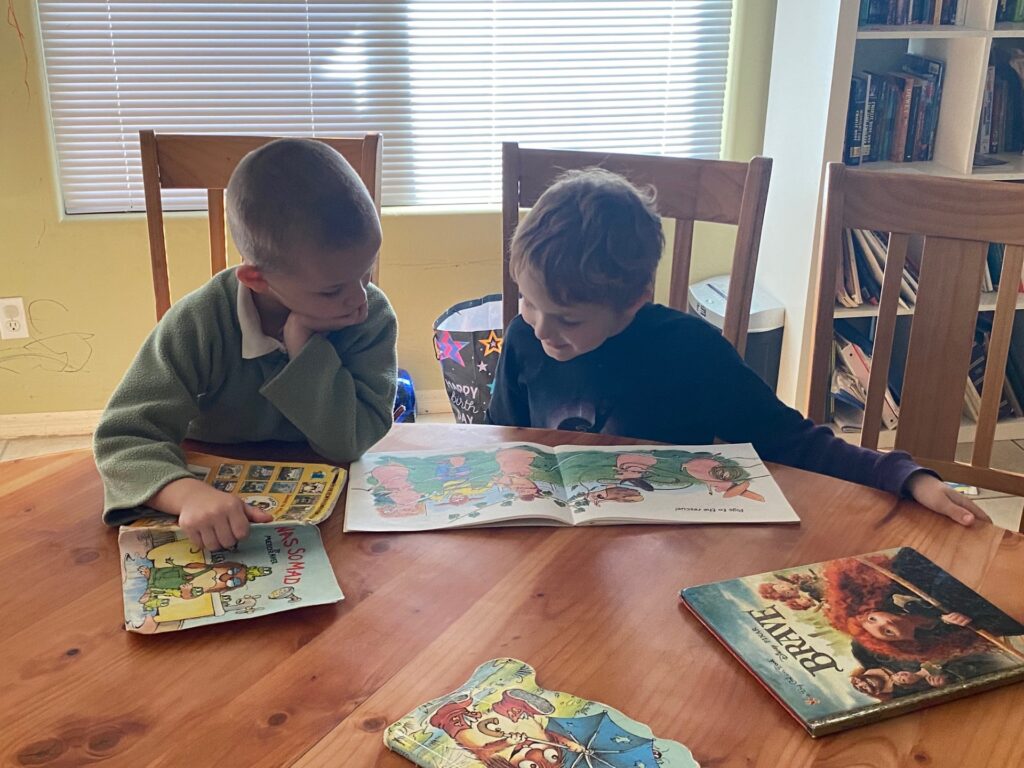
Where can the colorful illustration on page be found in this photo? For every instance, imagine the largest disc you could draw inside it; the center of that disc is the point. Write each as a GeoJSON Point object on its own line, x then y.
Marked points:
{"type": "Point", "coordinates": [170, 584]}
{"type": "Point", "coordinates": [595, 477]}
{"type": "Point", "coordinates": [460, 485]}
{"type": "Point", "coordinates": [501, 718]}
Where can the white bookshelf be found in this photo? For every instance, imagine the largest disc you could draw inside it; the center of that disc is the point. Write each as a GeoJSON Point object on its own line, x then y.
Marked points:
{"type": "Point", "coordinates": [817, 48]}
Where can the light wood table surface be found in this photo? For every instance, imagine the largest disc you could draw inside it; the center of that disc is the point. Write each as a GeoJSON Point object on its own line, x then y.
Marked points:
{"type": "Point", "coordinates": [594, 610]}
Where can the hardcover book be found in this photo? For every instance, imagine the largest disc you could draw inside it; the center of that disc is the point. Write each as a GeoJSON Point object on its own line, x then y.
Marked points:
{"type": "Point", "coordinates": [851, 641]}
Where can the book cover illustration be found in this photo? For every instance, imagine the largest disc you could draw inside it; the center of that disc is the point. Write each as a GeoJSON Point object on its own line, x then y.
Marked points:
{"type": "Point", "coordinates": [501, 718]}
{"type": "Point", "coordinates": [850, 641]}
{"type": "Point", "coordinates": [526, 483]}
{"type": "Point", "coordinates": [290, 491]}
{"type": "Point", "coordinates": [170, 584]}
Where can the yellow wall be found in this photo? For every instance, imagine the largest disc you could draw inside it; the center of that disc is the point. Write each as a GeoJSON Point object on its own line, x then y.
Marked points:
{"type": "Point", "coordinates": [87, 281]}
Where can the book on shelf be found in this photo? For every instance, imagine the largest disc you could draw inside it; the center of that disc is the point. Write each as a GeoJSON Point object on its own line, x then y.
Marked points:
{"type": "Point", "coordinates": [1001, 122]}
{"type": "Point", "coordinates": [855, 120]}
{"type": "Point", "coordinates": [852, 352]}
{"type": "Point", "coordinates": [1010, 11]}
{"type": "Point", "coordinates": [906, 12]}
{"type": "Point", "coordinates": [851, 641]}
{"type": "Point", "coordinates": [851, 377]}
{"type": "Point", "coordinates": [863, 266]}
{"type": "Point", "coordinates": [894, 115]}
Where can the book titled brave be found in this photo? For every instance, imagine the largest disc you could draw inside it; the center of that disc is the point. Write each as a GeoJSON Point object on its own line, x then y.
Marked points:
{"type": "Point", "coordinates": [851, 641]}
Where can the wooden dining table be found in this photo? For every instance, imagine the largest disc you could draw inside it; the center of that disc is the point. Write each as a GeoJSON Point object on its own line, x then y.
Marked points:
{"type": "Point", "coordinates": [594, 610]}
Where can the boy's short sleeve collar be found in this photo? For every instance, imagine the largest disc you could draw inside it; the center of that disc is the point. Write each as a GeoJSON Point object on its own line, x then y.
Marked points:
{"type": "Point", "coordinates": [255, 343]}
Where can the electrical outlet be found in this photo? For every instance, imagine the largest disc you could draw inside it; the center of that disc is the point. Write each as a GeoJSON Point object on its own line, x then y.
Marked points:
{"type": "Point", "coordinates": [13, 322]}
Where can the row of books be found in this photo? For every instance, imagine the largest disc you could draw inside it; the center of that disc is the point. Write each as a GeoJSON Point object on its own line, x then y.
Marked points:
{"type": "Point", "coordinates": [1010, 10]}
{"type": "Point", "coordinates": [899, 12]}
{"type": "Point", "coordinates": [894, 115]}
{"type": "Point", "coordinates": [1001, 125]}
{"type": "Point", "coordinates": [859, 281]}
{"type": "Point", "coordinates": [852, 371]}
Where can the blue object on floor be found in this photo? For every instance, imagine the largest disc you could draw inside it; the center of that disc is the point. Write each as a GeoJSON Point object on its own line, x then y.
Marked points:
{"type": "Point", "coordinates": [405, 397]}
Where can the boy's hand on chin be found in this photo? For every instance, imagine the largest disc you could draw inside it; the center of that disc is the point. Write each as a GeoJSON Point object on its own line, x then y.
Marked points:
{"type": "Point", "coordinates": [298, 328]}
{"type": "Point", "coordinates": [928, 491]}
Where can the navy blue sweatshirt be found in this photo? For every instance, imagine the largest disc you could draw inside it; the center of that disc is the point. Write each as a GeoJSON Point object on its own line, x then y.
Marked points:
{"type": "Point", "coordinates": [671, 377]}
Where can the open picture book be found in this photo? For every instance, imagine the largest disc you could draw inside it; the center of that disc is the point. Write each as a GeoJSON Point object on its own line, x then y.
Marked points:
{"type": "Point", "coordinates": [170, 584]}
{"type": "Point", "coordinates": [502, 717]}
{"type": "Point", "coordinates": [530, 484]}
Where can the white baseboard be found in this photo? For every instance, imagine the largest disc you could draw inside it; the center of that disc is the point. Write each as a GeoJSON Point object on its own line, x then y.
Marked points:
{"type": "Point", "coordinates": [13, 425]}
{"type": "Point", "coordinates": [433, 401]}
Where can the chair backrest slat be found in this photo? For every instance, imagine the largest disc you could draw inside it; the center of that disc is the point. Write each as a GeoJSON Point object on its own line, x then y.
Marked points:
{"type": "Point", "coordinates": [998, 351]}
{"type": "Point", "coordinates": [687, 190]}
{"type": "Point", "coordinates": [884, 333]}
{"type": "Point", "coordinates": [939, 354]}
{"type": "Point", "coordinates": [682, 254]}
{"type": "Point", "coordinates": [218, 234]}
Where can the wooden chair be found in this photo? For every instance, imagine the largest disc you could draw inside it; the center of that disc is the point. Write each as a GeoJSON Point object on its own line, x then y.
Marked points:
{"type": "Point", "coordinates": [688, 190]}
{"type": "Point", "coordinates": [957, 218]}
{"type": "Point", "coordinates": [175, 161]}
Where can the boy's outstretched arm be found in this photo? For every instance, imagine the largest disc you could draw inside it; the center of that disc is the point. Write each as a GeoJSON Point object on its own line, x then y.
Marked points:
{"type": "Point", "coordinates": [341, 395]}
{"type": "Point", "coordinates": [749, 411]}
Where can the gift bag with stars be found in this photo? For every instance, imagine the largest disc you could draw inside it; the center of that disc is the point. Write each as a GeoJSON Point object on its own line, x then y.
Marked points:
{"type": "Point", "coordinates": [467, 343]}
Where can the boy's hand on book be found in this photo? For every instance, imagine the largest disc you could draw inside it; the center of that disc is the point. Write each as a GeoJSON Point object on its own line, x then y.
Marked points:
{"type": "Point", "coordinates": [928, 491]}
{"type": "Point", "coordinates": [211, 518]}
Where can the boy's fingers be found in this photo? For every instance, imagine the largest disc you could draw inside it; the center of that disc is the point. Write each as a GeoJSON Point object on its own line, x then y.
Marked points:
{"type": "Point", "coordinates": [962, 501]}
{"type": "Point", "coordinates": [223, 534]}
{"type": "Point", "coordinates": [208, 539]}
{"type": "Point", "coordinates": [238, 522]}
{"type": "Point", "coordinates": [195, 537]}
{"type": "Point", "coordinates": [257, 515]}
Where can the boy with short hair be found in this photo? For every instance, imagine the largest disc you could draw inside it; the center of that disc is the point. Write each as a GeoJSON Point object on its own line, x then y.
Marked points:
{"type": "Point", "coordinates": [294, 344]}
{"type": "Point", "coordinates": [590, 352]}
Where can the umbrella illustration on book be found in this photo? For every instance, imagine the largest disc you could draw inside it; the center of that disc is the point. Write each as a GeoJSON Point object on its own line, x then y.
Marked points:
{"type": "Point", "coordinates": [598, 741]}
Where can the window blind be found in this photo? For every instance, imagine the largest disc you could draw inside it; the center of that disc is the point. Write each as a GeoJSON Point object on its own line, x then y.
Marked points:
{"type": "Point", "coordinates": [444, 82]}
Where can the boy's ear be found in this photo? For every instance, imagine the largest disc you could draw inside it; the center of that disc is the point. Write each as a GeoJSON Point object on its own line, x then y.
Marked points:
{"type": "Point", "coordinates": [646, 296]}
{"type": "Point", "coordinates": [252, 278]}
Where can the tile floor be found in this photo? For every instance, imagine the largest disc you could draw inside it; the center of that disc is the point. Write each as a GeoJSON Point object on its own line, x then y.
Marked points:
{"type": "Point", "coordinates": [1004, 510]}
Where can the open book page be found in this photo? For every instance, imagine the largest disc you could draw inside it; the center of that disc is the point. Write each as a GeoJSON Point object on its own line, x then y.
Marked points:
{"type": "Point", "coordinates": [291, 491]}
{"type": "Point", "coordinates": [428, 490]}
{"type": "Point", "coordinates": [666, 484]}
{"type": "Point", "coordinates": [170, 584]}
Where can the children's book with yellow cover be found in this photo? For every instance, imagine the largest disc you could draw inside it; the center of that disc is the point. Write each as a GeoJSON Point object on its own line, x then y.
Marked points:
{"type": "Point", "coordinates": [501, 718]}
{"type": "Point", "coordinates": [170, 584]}
{"type": "Point", "coordinates": [288, 490]}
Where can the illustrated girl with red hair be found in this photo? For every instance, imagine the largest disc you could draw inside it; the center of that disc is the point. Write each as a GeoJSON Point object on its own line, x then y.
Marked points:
{"type": "Point", "coordinates": [893, 621]}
